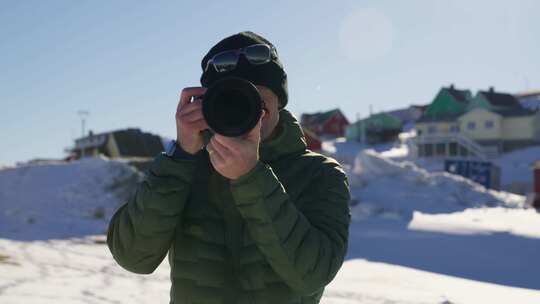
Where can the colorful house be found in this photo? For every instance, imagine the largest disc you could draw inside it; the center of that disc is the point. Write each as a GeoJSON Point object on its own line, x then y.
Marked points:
{"type": "Point", "coordinates": [313, 141]}
{"type": "Point", "coordinates": [483, 126]}
{"type": "Point", "coordinates": [329, 124]}
{"type": "Point", "coordinates": [377, 128]}
{"type": "Point", "coordinates": [440, 116]}
{"type": "Point", "coordinates": [385, 126]}
{"type": "Point", "coordinates": [499, 121]}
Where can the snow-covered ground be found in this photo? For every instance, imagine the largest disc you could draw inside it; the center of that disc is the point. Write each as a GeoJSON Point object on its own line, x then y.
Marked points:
{"type": "Point", "coordinates": [59, 200]}
{"type": "Point", "coordinates": [416, 237]}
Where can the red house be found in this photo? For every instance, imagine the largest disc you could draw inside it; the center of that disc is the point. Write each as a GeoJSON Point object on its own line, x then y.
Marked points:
{"type": "Point", "coordinates": [328, 124]}
{"type": "Point", "coordinates": [312, 140]}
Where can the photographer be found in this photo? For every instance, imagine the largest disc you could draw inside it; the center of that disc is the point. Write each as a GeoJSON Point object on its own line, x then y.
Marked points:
{"type": "Point", "coordinates": [255, 218]}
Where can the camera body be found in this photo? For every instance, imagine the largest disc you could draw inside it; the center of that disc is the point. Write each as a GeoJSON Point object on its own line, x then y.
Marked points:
{"type": "Point", "coordinates": [232, 106]}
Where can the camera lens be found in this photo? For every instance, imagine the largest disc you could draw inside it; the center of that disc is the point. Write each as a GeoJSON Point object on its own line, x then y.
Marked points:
{"type": "Point", "coordinates": [232, 106]}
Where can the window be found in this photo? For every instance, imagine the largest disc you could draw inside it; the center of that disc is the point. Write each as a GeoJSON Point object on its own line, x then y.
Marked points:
{"type": "Point", "coordinates": [454, 128]}
{"type": "Point", "coordinates": [471, 125]}
{"type": "Point", "coordinates": [489, 124]}
{"type": "Point", "coordinates": [432, 129]}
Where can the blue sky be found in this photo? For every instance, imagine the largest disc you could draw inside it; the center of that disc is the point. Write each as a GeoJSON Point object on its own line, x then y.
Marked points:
{"type": "Point", "coordinates": [126, 62]}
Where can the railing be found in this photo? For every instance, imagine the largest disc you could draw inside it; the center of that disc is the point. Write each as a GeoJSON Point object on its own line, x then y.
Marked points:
{"type": "Point", "coordinates": [472, 146]}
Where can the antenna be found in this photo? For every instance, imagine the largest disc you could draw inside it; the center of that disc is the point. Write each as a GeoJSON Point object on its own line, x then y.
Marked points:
{"type": "Point", "coordinates": [83, 114]}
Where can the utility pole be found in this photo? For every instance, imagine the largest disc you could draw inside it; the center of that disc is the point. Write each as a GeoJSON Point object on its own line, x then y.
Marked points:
{"type": "Point", "coordinates": [357, 135]}
{"type": "Point", "coordinates": [83, 115]}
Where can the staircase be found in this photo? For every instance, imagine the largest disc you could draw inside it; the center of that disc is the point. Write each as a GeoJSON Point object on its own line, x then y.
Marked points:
{"type": "Point", "coordinates": [479, 151]}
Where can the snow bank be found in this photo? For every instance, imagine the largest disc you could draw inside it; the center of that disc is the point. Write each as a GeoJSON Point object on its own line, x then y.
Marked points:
{"type": "Point", "coordinates": [516, 172]}
{"type": "Point", "coordinates": [395, 189]}
{"type": "Point", "coordinates": [481, 221]}
{"type": "Point", "coordinates": [58, 200]}
{"type": "Point", "coordinates": [345, 151]}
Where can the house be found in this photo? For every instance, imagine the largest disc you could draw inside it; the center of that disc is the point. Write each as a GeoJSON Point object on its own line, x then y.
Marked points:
{"type": "Point", "coordinates": [377, 128]}
{"type": "Point", "coordinates": [131, 142]}
{"type": "Point", "coordinates": [440, 116]}
{"type": "Point", "coordinates": [498, 120]}
{"type": "Point", "coordinates": [313, 141]}
{"type": "Point", "coordinates": [409, 115]}
{"type": "Point", "coordinates": [484, 126]}
{"type": "Point", "coordinates": [329, 124]}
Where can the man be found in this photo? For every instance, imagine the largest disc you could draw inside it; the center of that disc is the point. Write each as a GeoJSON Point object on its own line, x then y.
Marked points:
{"type": "Point", "coordinates": [252, 219]}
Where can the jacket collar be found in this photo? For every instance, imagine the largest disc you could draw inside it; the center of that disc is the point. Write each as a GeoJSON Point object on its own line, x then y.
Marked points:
{"type": "Point", "coordinates": [290, 139]}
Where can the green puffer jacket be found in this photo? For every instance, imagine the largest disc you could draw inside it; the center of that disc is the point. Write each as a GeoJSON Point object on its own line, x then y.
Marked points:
{"type": "Point", "coordinates": [276, 235]}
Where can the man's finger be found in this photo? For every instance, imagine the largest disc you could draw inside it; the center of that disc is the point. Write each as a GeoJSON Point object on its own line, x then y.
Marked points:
{"type": "Point", "coordinates": [199, 125]}
{"type": "Point", "coordinates": [190, 107]}
{"type": "Point", "coordinates": [221, 149]}
{"type": "Point", "coordinates": [188, 93]}
{"type": "Point", "coordinates": [193, 116]}
{"type": "Point", "coordinates": [230, 142]}
{"type": "Point", "coordinates": [215, 158]}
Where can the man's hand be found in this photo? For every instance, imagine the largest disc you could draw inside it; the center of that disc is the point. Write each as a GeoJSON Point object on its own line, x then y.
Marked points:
{"type": "Point", "coordinates": [233, 157]}
{"type": "Point", "coordinates": [190, 121]}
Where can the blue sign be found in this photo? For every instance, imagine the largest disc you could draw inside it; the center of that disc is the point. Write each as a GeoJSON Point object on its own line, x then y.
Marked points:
{"type": "Point", "coordinates": [477, 171]}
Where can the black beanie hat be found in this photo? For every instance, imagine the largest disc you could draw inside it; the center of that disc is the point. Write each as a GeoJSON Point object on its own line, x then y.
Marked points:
{"type": "Point", "coordinates": [270, 74]}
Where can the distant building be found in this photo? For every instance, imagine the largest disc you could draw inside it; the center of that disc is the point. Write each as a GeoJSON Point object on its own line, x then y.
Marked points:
{"type": "Point", "coordinates": [498, 120]}
{"type": "Point", "coordinates": [330, 124]}
{"type": "Point", "coordinates": [385, 126]}
{"type": "Point", "coordinates": [377, 128]}
{"type": "Point", "coordinates": [408, 115]}
{"type": "Point", "coordinates": [313, 141]}
{"type": "Point", "coordinates": [484, 126]}
{"type": "Point", "coordinates": [529, 100]}
{"type": "Point", "coordinates": [130, 142]}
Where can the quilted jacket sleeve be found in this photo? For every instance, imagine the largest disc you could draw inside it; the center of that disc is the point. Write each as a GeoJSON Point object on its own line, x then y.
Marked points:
{"type": "Point", "coordinates": [305, 245]}
{"type": "Point", "coordinates": [141, 231]}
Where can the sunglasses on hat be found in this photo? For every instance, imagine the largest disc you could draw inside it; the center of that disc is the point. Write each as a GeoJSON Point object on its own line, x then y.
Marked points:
{"type": "Point", "coordinates": [227, 60]}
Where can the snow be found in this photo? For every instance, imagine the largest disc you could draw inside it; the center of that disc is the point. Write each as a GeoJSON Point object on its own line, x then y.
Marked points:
{"type": "Point", "coordinates": [480, 221]}
{"type": "Point", "coordinates": [515, 166]}
{"type": "Point", "coordinates": [74, 271]}
{"type": "Point", "coordinates": [59, 200]}
{"type": "Point", "coordinates": [416, 236]}
{"type": "Point", "coordinates": [362, 281]}
{"type": "Point", "coordinates": [516, 172]}
{"type": "Point", "coordinates": [415, 189]}
{"type": "Point", "coordinates": [82, 271]}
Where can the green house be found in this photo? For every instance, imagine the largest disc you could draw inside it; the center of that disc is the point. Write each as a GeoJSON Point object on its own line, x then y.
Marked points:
{"type": "Point", "coordinates": [448, 102]}
{"type": "Point", "coordinates": [377, 128]}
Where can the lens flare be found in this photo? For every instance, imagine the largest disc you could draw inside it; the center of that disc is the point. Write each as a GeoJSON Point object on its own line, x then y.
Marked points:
{"type": "Point", "coordinates": [365, 35]}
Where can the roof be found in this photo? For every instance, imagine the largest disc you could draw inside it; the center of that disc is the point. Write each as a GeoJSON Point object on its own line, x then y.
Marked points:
{"type": "Point", "coordinates": [131, 142]}
{"type": "Point", "coordinates": [134, 142]}
{"type": "Point", "coordinates": [320, 117]}
{"type": "Point", "coordinates": [514, 112]}
{"type": "Point", "coordinates": [381, 121]}
{"type": "Point", "coordinates": [501, 99]}
{"type": "Point", "coordinates": [448, 100]}
{"type": "Point", "coordinates": [439, 118]}
{"type": "Point", "coordinates": [309, 133]}
{"type": "Point", "coordinates": [409, 114]}
{"type": "Point", "coordinates": [459, 95]}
